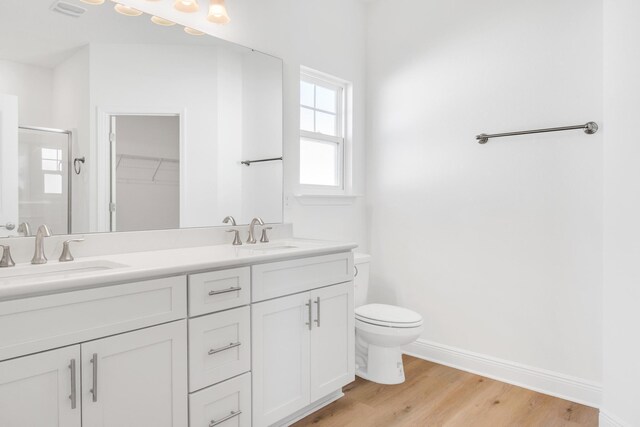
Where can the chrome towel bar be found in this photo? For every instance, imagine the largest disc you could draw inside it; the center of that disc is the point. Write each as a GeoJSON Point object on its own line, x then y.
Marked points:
{"type": "Point", "coordinates": [248, 162]}
{"type": "Point", "coordinates": [589, 128]}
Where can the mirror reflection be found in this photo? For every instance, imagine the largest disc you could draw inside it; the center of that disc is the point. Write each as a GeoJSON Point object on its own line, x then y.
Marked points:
{"type": "Point", "coordinates": [114, 123]}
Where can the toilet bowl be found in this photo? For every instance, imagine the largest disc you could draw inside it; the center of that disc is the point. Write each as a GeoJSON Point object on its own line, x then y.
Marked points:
{"type": "Point", "coordinates": [381, 332]}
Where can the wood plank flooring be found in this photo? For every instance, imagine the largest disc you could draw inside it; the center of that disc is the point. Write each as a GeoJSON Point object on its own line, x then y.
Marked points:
{"type": "Point", "coordinates": [436, 395]}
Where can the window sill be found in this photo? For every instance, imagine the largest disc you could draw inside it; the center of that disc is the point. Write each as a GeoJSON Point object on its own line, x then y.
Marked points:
{"type": "Point", "coordinates": [326, 199]}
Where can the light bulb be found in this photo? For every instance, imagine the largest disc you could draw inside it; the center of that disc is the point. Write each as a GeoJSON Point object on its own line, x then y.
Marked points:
{"type": "Point", "coordinates": [162, 21]}
{"type": "Point", "coordinates": [218, 12]}
{"type": "Point", "coordinates": [127, 10]}
{"type": "Point", "coordinates": [193, 31]}
{"type": "Point", "coordinates": [188, 6]}
{"type": "Point", "coordinates": [93, 2]}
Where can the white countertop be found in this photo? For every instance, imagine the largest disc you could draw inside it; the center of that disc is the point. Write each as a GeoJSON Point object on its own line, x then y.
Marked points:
{"type": "Point", "coordinates": [26, 280]}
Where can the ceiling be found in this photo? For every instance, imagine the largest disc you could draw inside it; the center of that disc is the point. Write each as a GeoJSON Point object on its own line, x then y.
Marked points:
{"type": "Point", "coordinates": [33, 34]}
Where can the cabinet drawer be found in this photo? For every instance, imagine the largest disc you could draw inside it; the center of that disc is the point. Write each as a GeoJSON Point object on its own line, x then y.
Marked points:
{"type": "Point", "coordinates": [227, 404]}
{"type": "Point", "coordinates": [289, 277]}
{"type": "Point", "coordinates": [40, 323]}
{"type": "Point", "coordinates": [219, 290]}
{"type": "Point", "coordinates": [219, 347]}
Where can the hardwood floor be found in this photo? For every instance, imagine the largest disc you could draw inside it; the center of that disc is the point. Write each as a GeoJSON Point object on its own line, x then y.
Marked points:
{"type": "Point", "coordinates": [436, 395]}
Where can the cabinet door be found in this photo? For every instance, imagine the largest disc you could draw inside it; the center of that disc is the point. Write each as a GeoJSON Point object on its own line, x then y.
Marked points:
{"type": "Point", "coordinates": [137, 379]}
{"type": "Point", "coordinates": [42, 390]}
{"type": "Point", "coordinates": [280, 357]}
{"type": "Point", "coordinates": [332, 340]}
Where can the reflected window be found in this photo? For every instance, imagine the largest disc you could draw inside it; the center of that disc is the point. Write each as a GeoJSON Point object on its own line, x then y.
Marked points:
{"type": "Point", "coordinates": [52, 170]}
{"type": "Point", "coordinates": [322, 129]}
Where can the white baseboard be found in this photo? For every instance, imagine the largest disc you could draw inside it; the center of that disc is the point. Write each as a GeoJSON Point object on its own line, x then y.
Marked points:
{"type": "Point", "coordinates": [536, 379]}
{"type": "Point", "coordinates": [308, 410]}
{"type": "Point", "coordinates": [607, 420]}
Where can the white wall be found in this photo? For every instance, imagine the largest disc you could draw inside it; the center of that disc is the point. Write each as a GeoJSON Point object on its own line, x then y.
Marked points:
{"type": "Point", "coordinates": [327, 35]}
{"type": "Point", "coordinates": [33, 87]}
{"type": "Point", "coordinates": [497, 246]}
{"type": "Point", "coordinates": [622, 210]}
{"type": "Point", "coordinates": [71, 111]}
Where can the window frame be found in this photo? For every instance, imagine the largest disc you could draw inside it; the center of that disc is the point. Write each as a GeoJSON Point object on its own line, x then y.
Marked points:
{"type": "Point", "coordinates": [341, 88]}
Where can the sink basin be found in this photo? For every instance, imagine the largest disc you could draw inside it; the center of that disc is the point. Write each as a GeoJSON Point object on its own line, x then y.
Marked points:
{"type": "Point", "coordinates": [66, 269]}
{"type": "Point", "coordinates": [268, 248]}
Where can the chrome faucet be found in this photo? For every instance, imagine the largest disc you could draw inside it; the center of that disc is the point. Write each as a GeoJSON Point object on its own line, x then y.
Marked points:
{"type": "Point", "coordinates": [229, 219]}
{"type": "Point", "coordinates": [38, 256]}
{"type": "Point", "coordinates": [6, 260]}
{"type": "Point", "coordinates": [252, 237]}
{"type": "Point", "coordinates": [25, 229]}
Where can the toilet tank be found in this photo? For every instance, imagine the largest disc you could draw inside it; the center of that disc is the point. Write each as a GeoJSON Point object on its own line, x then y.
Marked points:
{"type": "Point", "coordinates": [361, 278]}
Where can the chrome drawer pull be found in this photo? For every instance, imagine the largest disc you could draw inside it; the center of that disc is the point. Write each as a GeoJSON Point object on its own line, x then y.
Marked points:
{"type": "Point", "coordinates": [318, 317]}
{"type": "Point", "coordinates": [73, 396]}
{"type": "Point", "coordinates": [226, 347]}
{"type": "Point", "coordinates": [225, 291]}
{"type": "Point", "coordinates": [310, 322]}
{"type": "Point", "coordinates": [214, 423]}
{"type": "Point", "coordinates": [94, 390]}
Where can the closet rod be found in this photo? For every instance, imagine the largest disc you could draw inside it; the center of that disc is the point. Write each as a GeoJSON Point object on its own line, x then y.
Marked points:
{"type": "Point", "coordinates": [589, 128]}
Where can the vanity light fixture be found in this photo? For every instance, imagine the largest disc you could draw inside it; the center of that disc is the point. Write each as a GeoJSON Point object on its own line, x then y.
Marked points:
{"type": "Point", "coordinates": [193, 31]}
{"type": "Point", "coordinates": [162, 21]}
{"type": "Point", "coordinates": [93, 2]}
{"type": "Point", "coordinates": [127, 10]}
{"type": "Point", "coordinates": [218, 12]}
{"type": "Point", "coordinates": [188, 6]}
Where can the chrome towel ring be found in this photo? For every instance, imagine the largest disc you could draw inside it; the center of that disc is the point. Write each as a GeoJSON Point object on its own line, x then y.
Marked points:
{"type": "Point", "coordinates": [77, 164]}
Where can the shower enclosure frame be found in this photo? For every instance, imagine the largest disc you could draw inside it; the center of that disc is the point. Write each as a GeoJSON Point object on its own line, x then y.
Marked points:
{"type": "Point", "coordinates": [69, 164]}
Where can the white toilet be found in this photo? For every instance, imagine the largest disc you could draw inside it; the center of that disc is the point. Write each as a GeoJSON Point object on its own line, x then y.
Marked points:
{"type": "Point", "coordinates": [381, 332]}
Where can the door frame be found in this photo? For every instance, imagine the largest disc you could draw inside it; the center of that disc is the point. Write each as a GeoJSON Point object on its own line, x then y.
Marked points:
{"type": "Point", "coordinates": [100, 198]}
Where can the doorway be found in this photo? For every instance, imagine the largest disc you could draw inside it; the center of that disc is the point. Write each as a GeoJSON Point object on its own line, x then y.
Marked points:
{"type": "Point", "coordinates": [145, 172]}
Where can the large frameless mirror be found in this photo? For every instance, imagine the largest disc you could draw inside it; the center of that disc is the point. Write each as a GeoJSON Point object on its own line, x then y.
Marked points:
{"type": "Point", "coordinates": [114, 123]}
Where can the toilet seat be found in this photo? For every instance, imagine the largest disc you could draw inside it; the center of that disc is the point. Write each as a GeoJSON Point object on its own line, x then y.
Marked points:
{"type": "Point", "coordinates": [389, 316]}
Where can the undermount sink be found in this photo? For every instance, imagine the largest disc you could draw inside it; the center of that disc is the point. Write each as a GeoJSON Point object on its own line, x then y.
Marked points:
{"type": "Point", "coordinates": [268, 248]}
{"type": "Point", "coordinates": [57, 269]}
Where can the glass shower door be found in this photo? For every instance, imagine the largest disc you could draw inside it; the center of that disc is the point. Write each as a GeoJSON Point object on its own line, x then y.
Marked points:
{"type": "Point", "coordinates": [43, 179]}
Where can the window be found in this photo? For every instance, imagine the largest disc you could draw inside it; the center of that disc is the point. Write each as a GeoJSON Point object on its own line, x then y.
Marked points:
{"type": "Point", "coordinates": [52, 170]}
{"type": "Point", "coordinates": [322, 133]}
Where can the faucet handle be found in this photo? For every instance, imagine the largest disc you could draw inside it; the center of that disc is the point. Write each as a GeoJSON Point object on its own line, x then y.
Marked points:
{"type": "Point", "coordinates": [236, 238]}
{"type": "Point", "coordinates": [6, 260]}
{"type": "Point", "coordinates": [66, 252]}
{"type": "Point", "coordinates": [264, 238]}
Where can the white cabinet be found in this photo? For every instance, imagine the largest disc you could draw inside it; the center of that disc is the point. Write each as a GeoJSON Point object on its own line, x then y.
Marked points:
{"type": "Point", "coordinates": [42, 390]}
{"type": "Point", "coordinates": [219, 347]}
{"type": "Point", "coordinates": [280, 342]}
{"type": "Point", "coordinates": [137, 379]}
{"type": "Point", "coordinates": [303, 348]}
{"type": "Point", "coordinates": [227, 404]}
{"type": "Point", "coordinates": [332, 340]}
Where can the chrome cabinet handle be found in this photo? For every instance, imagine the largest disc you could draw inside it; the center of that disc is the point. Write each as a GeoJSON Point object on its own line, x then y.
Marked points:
{"type": "Point", "coordinates": [225, 291]}
{"type": "Point", "coordinates": [226, 347]}
{"type": "Point", "coordinates": [318, 316]}
{"type": "Point", "coordinates": [310, 322]}
{"type": "Point", "coordinates": [94, 389]}
{"type": "Point", "coordinates": [214, 423]}
{"type": "Point", "coordinates": [355, 268]}
{"type": "Point", "coordinates": [73, 396]}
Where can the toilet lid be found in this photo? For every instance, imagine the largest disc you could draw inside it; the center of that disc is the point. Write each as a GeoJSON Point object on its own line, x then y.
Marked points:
{"type": "Point", "coordinates": [384, 314]}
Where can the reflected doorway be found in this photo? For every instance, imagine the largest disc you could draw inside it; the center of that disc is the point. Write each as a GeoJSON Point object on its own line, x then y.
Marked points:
{"type": "Point", "coordinates": [145, 172]}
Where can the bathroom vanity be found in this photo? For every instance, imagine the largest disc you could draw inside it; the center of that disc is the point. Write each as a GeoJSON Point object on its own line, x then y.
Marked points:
{"type": "Point", "coordinates": [202, 336]}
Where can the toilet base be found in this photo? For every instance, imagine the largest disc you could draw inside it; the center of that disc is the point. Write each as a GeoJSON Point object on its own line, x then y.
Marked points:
{"type": "Point", "coordinates": [381, 365]}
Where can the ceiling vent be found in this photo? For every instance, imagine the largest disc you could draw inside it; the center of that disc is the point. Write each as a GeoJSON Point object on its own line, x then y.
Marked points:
{"type": "Point", "coordinates": [68, 9]}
